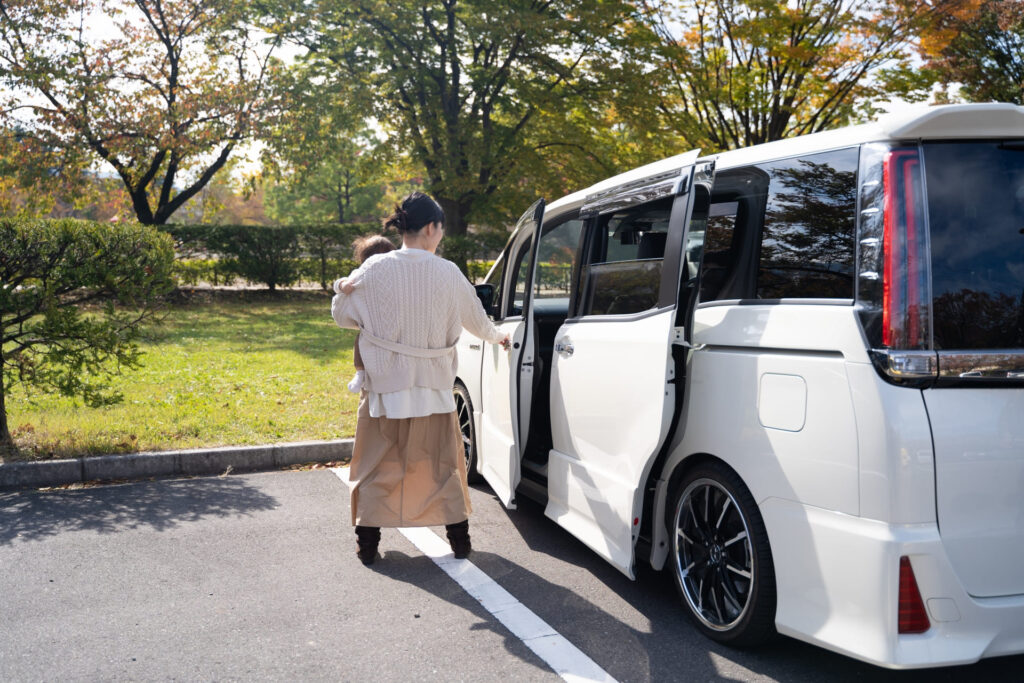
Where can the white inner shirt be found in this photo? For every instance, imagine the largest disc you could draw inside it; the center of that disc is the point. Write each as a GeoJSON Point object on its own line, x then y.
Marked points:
{"type": "Point", "coordinates": [414, 402]}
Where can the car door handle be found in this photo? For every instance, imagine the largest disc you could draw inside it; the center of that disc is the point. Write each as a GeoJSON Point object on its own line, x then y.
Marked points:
{"type": "Point", "coordinates": [474, 347]}
{"type": "Point", "coordinates": [565, 347]}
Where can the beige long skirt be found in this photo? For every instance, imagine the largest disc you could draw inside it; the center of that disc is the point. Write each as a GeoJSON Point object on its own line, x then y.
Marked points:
{"type": "Point", "coordinates": [408, 472]}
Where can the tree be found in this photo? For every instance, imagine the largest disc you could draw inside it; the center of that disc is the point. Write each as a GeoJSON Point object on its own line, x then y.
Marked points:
{"type": "Point", "coordinates": [49, 272]}
{"type": "Point", "coordinates": [164, 101]}
{"type": "Point", "coordinates": [37, 180]}
{"type": "Point", "coordinates": [333, 191]}
{"type": "Point", "coordinates": [460, 84]}
{"type": "Point", "coordinates": [234, 201]}
{"type": "Point", "coordinates": [325, 163]}
{"type": "Point", "coordinates": [744, 72]}
{"type": "Point", "coordinates": [979, 45]}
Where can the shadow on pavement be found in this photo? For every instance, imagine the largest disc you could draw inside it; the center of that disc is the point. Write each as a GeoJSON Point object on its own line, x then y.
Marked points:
{"type": "Point", "coordinates": [37, 514]}
{"type": "Point", "coordinates": [669, 647]}
{"type": "Point", "coordinates": [420, 571]}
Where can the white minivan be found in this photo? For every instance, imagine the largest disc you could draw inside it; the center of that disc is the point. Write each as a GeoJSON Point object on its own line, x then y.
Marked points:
{"type": "Point", "coordinates": [792, 375]}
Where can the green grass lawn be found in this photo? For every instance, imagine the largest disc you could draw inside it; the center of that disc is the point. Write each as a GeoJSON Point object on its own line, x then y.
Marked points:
{"type": "Point", "coordinates": [237, 368]}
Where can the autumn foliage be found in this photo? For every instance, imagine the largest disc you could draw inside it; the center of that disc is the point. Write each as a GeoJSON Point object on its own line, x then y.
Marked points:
{"type": "Point", "coordinates": [979, 46]}
{"type": "Point", "coordinates": [743, 72]}
{"type": "Point", "coordinates": [162, 92]}
{"type": "Point", "coordinates": [485, 104]}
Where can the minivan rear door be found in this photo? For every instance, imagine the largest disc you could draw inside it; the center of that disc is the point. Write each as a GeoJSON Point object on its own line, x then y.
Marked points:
{"type": "Point", "coordinates": [506, 379]}
{"type": "Point", "coordinates": [976, 219]}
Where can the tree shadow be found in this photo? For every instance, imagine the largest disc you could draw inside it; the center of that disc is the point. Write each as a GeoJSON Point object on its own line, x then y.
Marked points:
{"type": "Point", "coordinates": [420, 571]}
{"type": "Point", "coordinates": [36, 515]}
{"type": "Point", "coordinates": [669, 647]}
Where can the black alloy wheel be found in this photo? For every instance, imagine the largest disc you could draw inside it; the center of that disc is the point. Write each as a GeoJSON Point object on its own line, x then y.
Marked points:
{"type": "Point", "coordinates": [721, 559]}
{"type": "Point", "coordinates": [464, 413]}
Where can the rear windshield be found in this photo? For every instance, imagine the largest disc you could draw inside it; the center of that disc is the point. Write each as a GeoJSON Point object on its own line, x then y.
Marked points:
{"type": "Point", "coordinates": [976, 213]}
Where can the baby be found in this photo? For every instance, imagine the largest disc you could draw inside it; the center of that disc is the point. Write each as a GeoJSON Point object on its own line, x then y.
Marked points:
{"type": "Point", "coordinates": [364, 249]}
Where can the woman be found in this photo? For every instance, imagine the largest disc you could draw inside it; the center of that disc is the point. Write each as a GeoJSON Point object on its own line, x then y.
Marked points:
{"type": "Point", "coordinates": [410, 306]}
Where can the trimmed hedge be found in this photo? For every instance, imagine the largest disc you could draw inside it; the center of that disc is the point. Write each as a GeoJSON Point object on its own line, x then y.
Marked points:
{"type": "Point", "coordinates": [259, 253]}
{"type": "Point", "coordinates": [225, 272]}
{"type": "Point", "coordinates": [280, 256]}
{"type": "Point", "coordinates": [467, 250]}
{"type": "Point", "coordinates": [213, 271]}
{"type": "Point", "coordinates": [476, 271]}
{"type": "Point", "coordinates": [274, 255]}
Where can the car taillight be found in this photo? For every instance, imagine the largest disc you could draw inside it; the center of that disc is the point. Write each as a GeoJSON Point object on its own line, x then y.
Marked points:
{"type": "Point", "coordinates": [893, 279]}
{"type": "Point", "coordinates": [905, 318]}
{"type": "Point", "coordinates": [912, 615]}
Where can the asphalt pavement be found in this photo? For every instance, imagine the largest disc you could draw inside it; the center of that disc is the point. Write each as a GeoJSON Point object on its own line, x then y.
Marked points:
{"type": "Point", "coordinates": [254, 577]}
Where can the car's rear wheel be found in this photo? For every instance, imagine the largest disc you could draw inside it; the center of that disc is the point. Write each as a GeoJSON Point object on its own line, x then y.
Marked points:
{"type": "Point", "coordinates": [464, 413]}
{"type": "Point", "coordinates": [721, 558]}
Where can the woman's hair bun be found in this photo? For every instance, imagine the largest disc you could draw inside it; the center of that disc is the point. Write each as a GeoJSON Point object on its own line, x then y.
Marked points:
{"type": "Point", "coordinates": [399, 220]}
{"type": "Point", "coordinates": [414, 212]}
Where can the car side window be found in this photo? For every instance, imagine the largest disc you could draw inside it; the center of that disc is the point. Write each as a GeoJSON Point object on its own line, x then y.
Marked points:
{"type": "Point", "coordinates": [556, 257]}
{"type": "Point", "coordinates": [520, 282]}
{"type": "Point", "coordinates": [494, 279]}
{"type": "Point", "coordinates": [623, 275]}
{"type": "Point", "coordinates": [695, 234]}
{"type": "Point", "coordinates": [783, 229]}
{"type": "Point", "coordinates": [808, 241]}
{"type": "Point", "coordinates": [718, 248]}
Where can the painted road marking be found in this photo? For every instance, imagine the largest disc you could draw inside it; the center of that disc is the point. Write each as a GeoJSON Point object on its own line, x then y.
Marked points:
{"type": "Point", "coordinates": [567, 660]}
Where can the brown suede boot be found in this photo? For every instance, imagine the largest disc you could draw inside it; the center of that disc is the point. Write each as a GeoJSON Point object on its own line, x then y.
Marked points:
{"type": "Point", "coordinates": [367, 539]}
{"type": "Point", "coordinates": [458, 538]}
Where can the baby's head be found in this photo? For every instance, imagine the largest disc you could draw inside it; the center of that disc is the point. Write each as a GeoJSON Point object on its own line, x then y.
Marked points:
{"type": "Point", "coordinates": [365, 247]}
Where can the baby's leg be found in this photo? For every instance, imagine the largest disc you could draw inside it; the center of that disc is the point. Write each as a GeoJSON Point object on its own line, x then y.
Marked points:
{"type": "Point", "coordinates": [357, 359]}
{"type": "Point", "coordinates": [356, 385]}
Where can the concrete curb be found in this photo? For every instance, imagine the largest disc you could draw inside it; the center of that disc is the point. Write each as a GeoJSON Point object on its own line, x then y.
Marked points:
{"type": "Point", "coordinates": [131, 466]}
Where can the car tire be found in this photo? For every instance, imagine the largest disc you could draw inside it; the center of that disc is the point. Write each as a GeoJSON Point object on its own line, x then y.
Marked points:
{"type": "Point", "coordinates": [464, 415]}
{"type": "Point", "coordinates": [721, 559]}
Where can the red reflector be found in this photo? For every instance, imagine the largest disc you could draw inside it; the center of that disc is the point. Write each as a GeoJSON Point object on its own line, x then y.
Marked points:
{"type": "Point", "coordinates": [912, 617]}
{"type": "Point", "coordinates": [636, 520]}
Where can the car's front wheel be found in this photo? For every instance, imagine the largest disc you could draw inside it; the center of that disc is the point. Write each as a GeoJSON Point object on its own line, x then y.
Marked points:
{"type": "Point", "coordinates": [464, 413]}
{"type": "Point", "coordinates": [721, 558]}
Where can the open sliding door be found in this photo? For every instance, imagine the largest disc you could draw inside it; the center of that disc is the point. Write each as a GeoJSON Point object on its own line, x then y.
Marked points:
{"type": "Point", "coordinates": [507, 376]}
{"type": "Point", "coordinates": [612, 397]}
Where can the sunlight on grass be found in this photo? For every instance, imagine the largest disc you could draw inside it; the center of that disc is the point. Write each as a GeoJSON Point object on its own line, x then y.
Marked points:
{"type": "Point", "coordinates": [213, 374]}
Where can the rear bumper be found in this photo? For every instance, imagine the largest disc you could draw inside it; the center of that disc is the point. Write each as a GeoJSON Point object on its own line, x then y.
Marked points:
{"type": "Point", "coordinates": [838, 578]}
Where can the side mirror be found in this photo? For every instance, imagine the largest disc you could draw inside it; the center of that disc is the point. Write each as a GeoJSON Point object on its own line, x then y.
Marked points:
{"type": "Point", "coordinates": [485, 293]}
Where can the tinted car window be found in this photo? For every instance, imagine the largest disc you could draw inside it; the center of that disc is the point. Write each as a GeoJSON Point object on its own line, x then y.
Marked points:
{"type": "Point", "coordinates": [718, 247]}
{"type": "Point", "coordinates": [807, 242]}
{"type": "Point", "coordinates": [520, 279]}
{"type": "Point", "coordinates": [976, 215]}
{"type": "Point", "coordinates": [555, 258]}
{"type": "Point", "coordinates": [624, 275]}
{"type": "Point", "coordinates": [494, 279]}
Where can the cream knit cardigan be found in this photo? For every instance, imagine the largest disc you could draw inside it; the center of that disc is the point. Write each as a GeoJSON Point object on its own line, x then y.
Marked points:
{"type": "Point", "coordinates": [418, 300]}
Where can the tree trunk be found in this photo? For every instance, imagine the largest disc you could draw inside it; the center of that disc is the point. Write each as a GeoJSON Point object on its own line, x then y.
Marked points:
{"type": "Point", "coordinates": [455, 226]}
{"type": "Point", "coordinates": [454, 215]}
{"type": "Point", "coordinates": [323, 263]}
{"type": "Point", "coordinates": [347, 196]}
{"type": "Point", "coordinates": [6, 440]}
{"type": "Point", "coordinates": [140, 204]}
{"type": "Point", "coordinates": [340, 201]}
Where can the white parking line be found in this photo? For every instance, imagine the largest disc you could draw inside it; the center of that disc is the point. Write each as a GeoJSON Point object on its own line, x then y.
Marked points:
{"type": "Point", "coordinates": [567, 660]}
